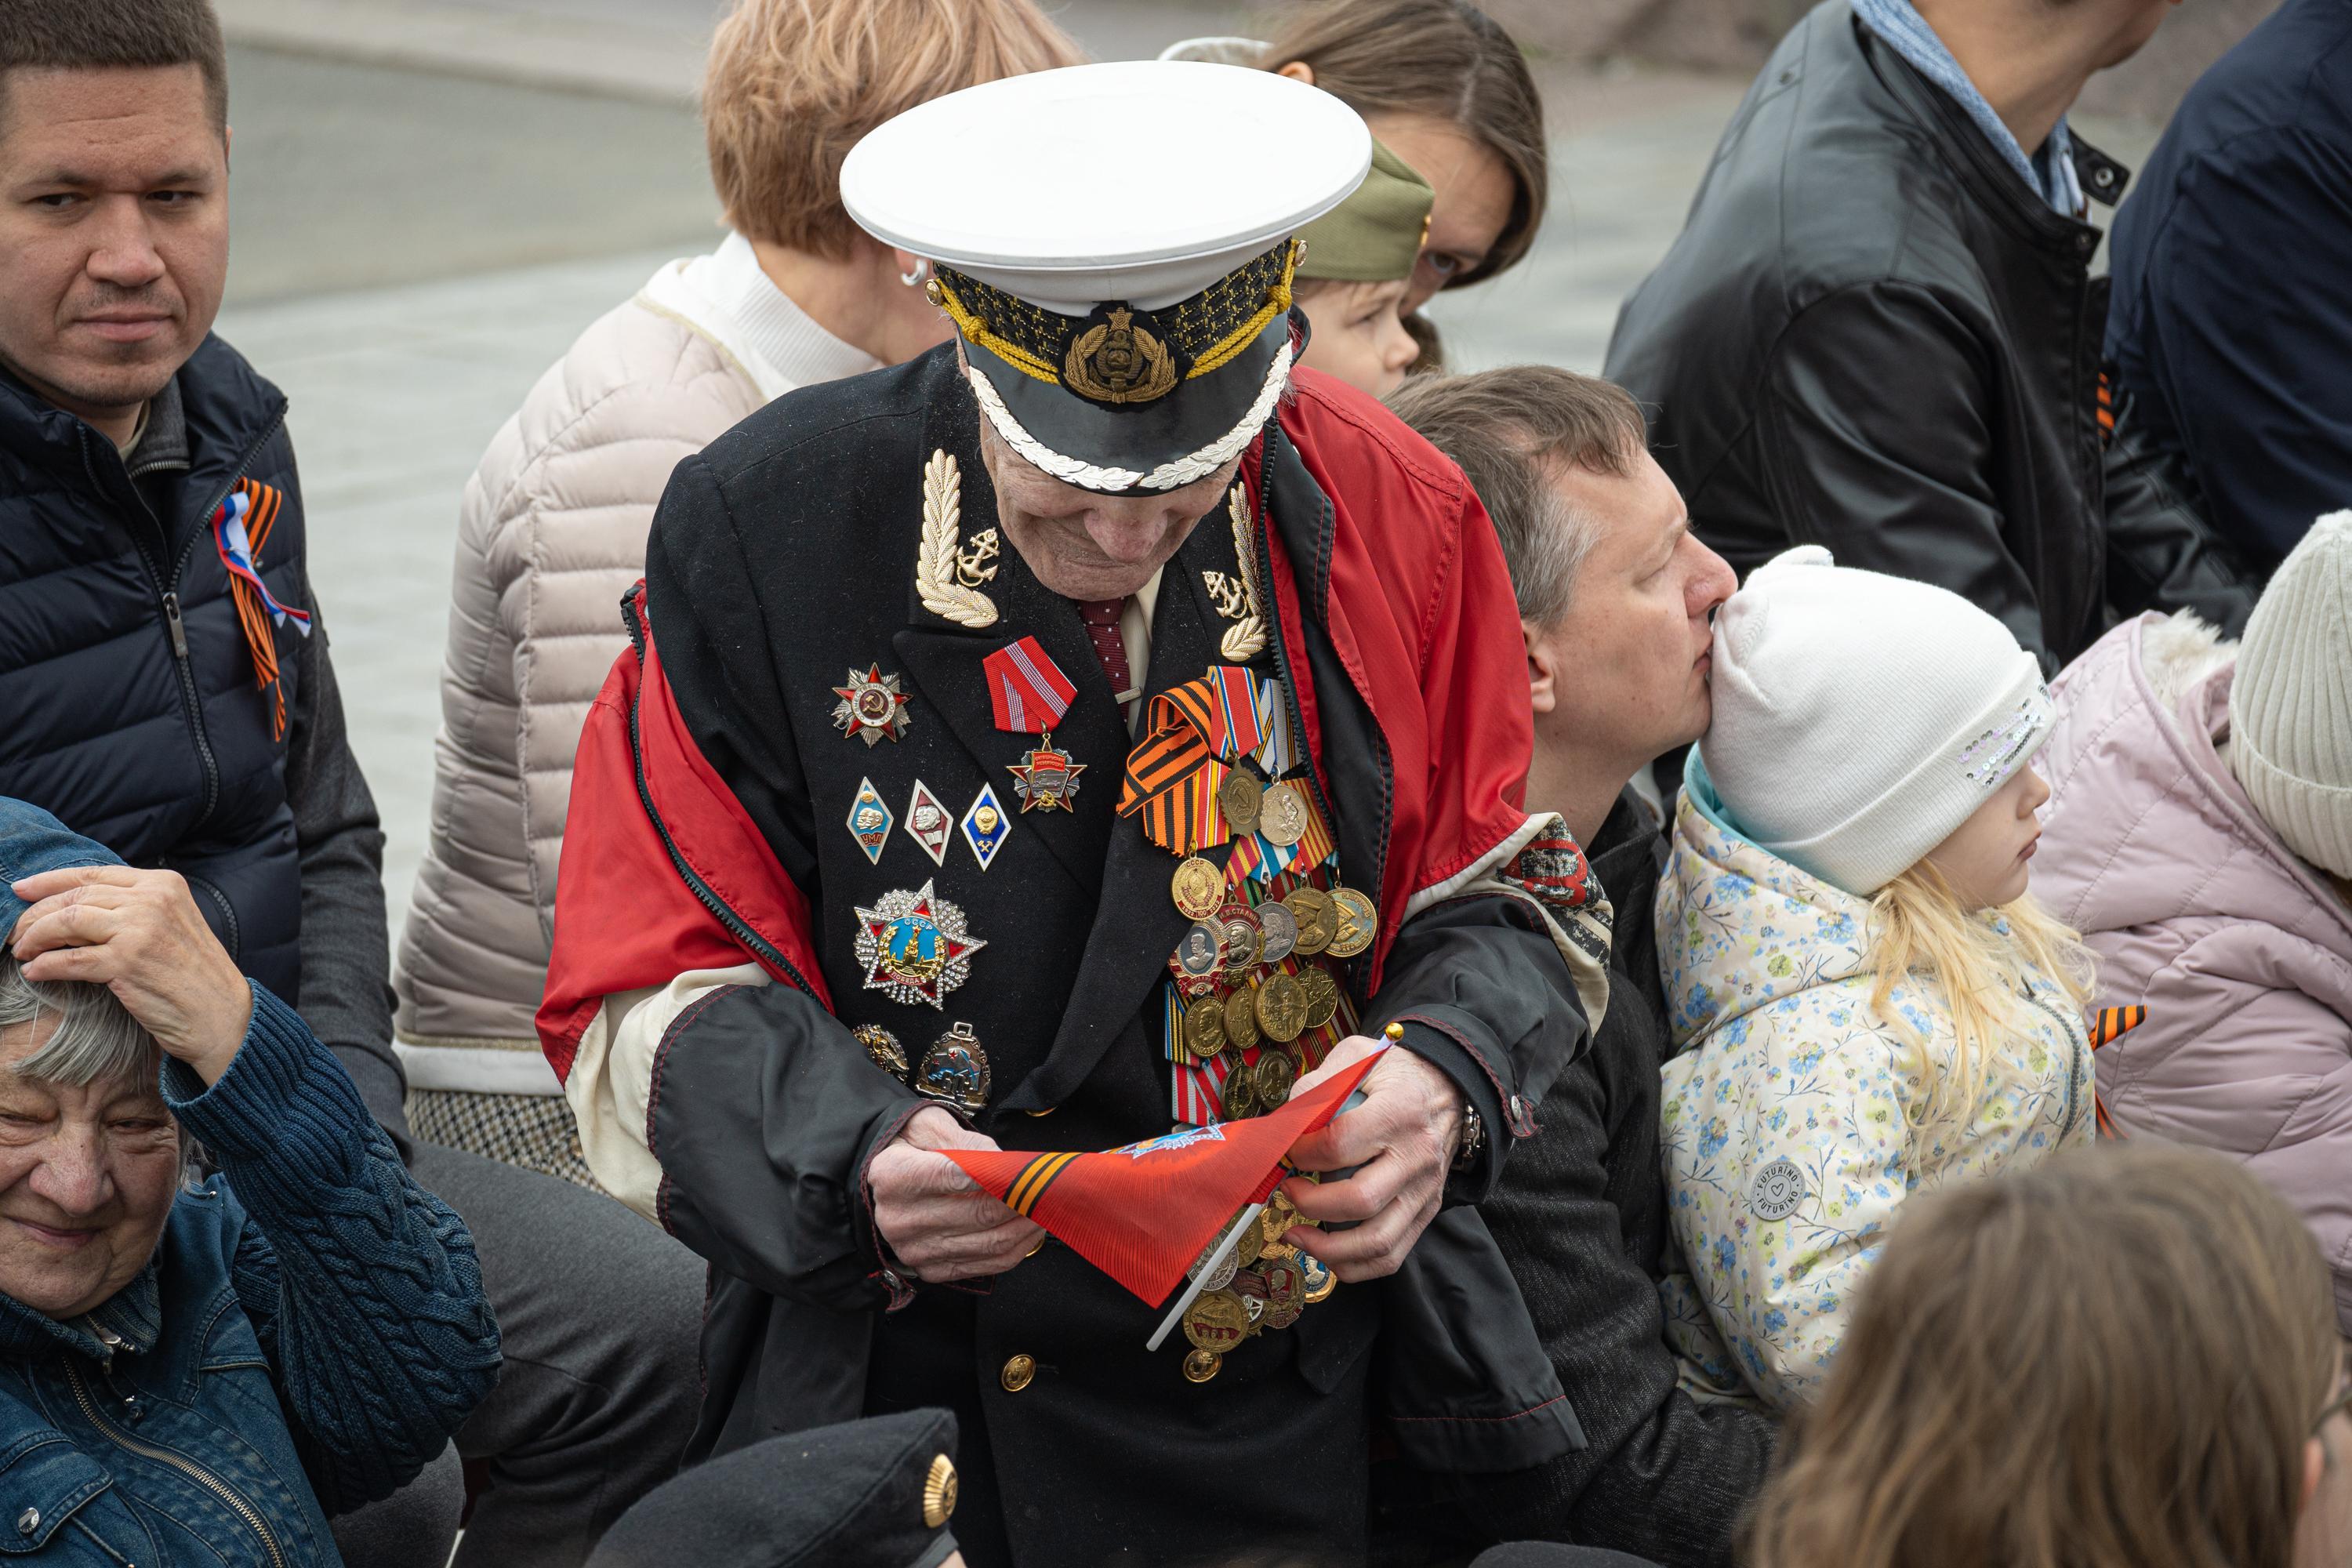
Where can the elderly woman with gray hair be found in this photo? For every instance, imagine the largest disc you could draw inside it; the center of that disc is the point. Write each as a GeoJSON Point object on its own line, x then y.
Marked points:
{"type": "Point", "coordinates": [198, 1373]}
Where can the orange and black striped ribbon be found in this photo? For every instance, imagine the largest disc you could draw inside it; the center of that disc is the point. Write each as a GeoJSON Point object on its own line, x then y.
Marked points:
{"type": "Point", "coordinates": [260, 639]}
{"type": "Point", "coordinates": [1029, 1185]}
{"type": "Point", "coordinates": [2110, 1024]}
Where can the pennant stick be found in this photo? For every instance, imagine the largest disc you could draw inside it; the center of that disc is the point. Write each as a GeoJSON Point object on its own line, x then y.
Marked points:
{"type": "Point", "coordinates": [1234, 1236]}
{"type": "Point", "coordinates": [1192, 1291]}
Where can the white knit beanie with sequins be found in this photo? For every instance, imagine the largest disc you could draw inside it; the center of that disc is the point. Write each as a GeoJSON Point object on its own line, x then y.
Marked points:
{"type": "Point", "coordinates": [2291, 702]}
{"type": "Point", "coordinates": [1859, 718]}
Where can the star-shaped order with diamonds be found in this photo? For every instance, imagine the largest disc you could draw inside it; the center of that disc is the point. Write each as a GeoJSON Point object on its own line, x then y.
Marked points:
{"type": "Point", "coordinates": [914, 947]}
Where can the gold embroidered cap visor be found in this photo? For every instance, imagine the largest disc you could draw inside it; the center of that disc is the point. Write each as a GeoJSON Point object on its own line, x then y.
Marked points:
{"type": "Point", "coordinates": [1187, 431]}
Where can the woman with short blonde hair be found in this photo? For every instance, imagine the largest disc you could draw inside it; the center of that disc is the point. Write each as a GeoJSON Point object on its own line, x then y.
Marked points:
{"type": "Point", "coordinates": [554, 522]}
{"type": "Point", "coordinates": [2125, 1358]}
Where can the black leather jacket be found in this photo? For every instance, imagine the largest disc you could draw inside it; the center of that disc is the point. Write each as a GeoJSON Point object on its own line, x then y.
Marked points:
{"type": "Point", "coordinates": [1872, 335]}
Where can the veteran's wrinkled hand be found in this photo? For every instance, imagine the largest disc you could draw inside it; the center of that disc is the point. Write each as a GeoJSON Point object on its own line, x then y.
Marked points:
{"type": "Point", "coordinates": [937, 1222]}
{"type": "Point", "coordinates": [1404, 1137]}
{"type": "Point", "coordinates": [139, 934]}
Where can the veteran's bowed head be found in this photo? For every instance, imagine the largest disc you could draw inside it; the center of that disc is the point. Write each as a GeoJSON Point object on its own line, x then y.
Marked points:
{"type": "Point", "coordinates": [1114, 245]}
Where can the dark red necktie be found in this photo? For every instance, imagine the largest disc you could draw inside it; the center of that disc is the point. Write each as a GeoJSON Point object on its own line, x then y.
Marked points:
{"type": "Point", "coordinates": [1102, 628]}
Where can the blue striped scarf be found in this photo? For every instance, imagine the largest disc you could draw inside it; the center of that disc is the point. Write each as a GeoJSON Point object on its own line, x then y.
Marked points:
{"type": "Point", "coordinates": [2050, 173]}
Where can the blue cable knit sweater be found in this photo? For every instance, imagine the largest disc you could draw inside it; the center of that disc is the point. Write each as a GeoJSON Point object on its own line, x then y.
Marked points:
{"type": "Point", "coordinates": [311, 1331]}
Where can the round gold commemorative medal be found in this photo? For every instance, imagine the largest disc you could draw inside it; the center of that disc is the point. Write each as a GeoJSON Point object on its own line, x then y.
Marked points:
{"type": "Point", "coordinates": [1198, 887]}
{"type": "Point", "coordinates": [1204, 1027]}
{"type": "Point", "coordinates": [1281, 1011]}
{"type": "Point", "coordinates": [1322, 995]}
{"type": "Point", "coordinates": [1357, 922]}
{"type": "Point", "coordinates": [1241, 1018]}
{"type": "Point", "coordinates": [1275, 1072]}
{"type": "Point", "coordinates": [1317, 920]}
{"type": "Point", "coordinates": [1282, 815]}
{"type": "Point", "coordinates": [1217, 1322]}
{"type": "Point", "coordinates": [1240, 1102]}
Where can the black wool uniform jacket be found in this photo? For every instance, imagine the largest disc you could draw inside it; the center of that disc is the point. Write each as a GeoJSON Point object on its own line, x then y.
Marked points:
{"type": "Point", "coordinates": [787, 554]}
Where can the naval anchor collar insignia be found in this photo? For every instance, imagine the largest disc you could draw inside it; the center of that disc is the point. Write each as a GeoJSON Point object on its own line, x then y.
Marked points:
{"type": "Point", "coordinates": [1046, 778]}
{"type": "Point", "coordinates": [914, 947]}
{"type": "Point", "coordinates": [871, 707]}
{"type": "Point", "coordinates": [947, 577]}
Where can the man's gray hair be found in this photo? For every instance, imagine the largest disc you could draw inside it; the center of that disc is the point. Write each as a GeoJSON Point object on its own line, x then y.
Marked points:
{"type": "Point", "coordinates": [96, 1037]}
{"type": "Point", "coordinates": [1511, 429]}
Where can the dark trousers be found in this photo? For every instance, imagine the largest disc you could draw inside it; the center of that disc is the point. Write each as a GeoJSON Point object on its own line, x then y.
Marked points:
{"type": "Point", "coordinates": [599, 1312]}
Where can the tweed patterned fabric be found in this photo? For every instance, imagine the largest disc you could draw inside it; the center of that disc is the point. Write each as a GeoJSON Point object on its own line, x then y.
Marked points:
{"type": "Point", "coordinates": [535, 1131]}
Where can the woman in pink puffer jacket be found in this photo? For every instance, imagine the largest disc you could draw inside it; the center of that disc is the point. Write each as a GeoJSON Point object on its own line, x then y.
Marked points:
{"type": "Point", "coordinates": [2200, 835]}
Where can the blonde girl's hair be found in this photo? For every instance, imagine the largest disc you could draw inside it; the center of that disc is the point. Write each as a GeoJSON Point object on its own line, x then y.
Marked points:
{"type": "Point", "coordinates": [1921, 932]}
{"type": "Point", "coordinates": [2111, 1360]}
{"type": "Point", "coordinates": [792, 84]}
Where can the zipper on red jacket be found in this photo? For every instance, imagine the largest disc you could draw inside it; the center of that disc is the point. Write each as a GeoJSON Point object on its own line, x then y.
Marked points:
{"type": "Point", "coordinates": [737, 927]}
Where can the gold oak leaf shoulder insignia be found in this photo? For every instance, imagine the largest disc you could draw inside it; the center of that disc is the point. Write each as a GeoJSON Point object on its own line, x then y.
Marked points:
{"type": "Point", "coordinates": [1238, 600]}
{"type": "Point", "coordinates": [940, 568]}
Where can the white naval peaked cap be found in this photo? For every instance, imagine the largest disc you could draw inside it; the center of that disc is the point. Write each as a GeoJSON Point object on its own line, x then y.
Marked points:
{"type": "Point", "coordinates": [1137, 181]}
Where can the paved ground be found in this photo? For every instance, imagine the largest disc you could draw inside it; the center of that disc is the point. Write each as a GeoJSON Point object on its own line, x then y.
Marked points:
{"type": "Point", "coordinates": [432, 199]}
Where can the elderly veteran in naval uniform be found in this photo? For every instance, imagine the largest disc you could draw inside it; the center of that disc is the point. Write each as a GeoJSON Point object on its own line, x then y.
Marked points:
{"type": "Point", "coordinates": [1092, 727]}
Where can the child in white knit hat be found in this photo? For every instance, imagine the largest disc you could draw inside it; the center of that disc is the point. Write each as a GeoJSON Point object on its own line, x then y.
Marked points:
{"type": "Point", "coordinates": [1864, 1001]}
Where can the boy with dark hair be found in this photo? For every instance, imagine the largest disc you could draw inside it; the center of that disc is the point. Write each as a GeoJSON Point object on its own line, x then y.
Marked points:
{"type": "Point", "coordinates": [165, 688]}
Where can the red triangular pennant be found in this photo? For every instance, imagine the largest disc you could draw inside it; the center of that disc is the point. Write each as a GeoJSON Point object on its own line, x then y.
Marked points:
{"type": "Point", "coordinates": [1142, 1214]}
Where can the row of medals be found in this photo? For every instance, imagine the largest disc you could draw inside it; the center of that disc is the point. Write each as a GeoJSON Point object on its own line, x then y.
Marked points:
{"type": "Point", "coordinates": [1265, 1282]}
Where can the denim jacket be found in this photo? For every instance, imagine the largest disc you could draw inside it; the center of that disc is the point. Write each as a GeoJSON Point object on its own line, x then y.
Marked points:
{"type": "Point", "coordinates": [309, 1331]}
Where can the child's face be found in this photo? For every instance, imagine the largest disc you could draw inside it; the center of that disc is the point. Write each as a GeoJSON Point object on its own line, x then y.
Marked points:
{"type": "Point", "coordinates": [1359, 333]}
{"type": "Point", "coordinates": [1985, 858]}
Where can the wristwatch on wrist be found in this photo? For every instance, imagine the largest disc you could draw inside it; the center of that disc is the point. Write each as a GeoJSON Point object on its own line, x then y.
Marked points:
{"type": "Point", "coordinates": [1473, 1137]}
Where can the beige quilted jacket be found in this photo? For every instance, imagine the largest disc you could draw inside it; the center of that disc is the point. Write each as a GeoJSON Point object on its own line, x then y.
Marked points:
{"type": "Point", "coordinates": [553, 532]}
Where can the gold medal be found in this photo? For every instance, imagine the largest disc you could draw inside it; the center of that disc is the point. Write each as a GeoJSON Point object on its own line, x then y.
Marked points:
{"type": "Point", "coordinates": [1317, 920]}
{"type": "Point", "coordinates": [1280, 1215]}
{"type": "Point", "coordinates": [1275, 1072]}
{"type": "Point", "coordinates": [1281, 1009]}
{"type": "Point", "coordinates": [1199, 887]}
{"type": "Point", "coordinates": [1322, 995]}
{"type": "Point", "coordinates": [1217, 1322]}
{"type": "Point", "coordinates": [1357, 922]}
{"type": "Point", "coordinates": [1237, 801]}
{"type": "Point", "coordinates": [1241, 1018]}
{"type": "Point", "coordinates": [1204, 1027]}
{"type": "Point", "coordinates": [1244, 938]}
{"type": "Point", "coordinates": [1253, 1241]}
{"type": "Point", "coordinates": [1240, 1102]}
{"type": "Point", "coordinates": [1282, 815]}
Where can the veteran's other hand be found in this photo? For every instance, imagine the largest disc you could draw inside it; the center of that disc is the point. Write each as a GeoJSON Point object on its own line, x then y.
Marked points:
{"type": "Point", "coordinates": [139, 934]}
{"type": "Point", "coordinates": [937, 1222]}
{"type": "Point", "coordinates": [1403, 1137]}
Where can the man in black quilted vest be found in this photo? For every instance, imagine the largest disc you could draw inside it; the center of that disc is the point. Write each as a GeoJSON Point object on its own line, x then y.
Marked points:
{"type": "Point", "coordinates": [166, 688]}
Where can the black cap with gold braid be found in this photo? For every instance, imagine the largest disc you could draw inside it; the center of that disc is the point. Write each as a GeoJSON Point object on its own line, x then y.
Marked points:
{"type": "Point", "coordinates": [866, 1494]}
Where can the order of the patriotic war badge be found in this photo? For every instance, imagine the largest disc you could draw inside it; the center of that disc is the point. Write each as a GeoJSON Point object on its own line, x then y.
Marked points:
{"type": "Point", "coordinates": [871, 707]}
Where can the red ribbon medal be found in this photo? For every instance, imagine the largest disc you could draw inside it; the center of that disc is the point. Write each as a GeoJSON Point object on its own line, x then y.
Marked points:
{"type": "Point", "coordinates": [1026, 688]}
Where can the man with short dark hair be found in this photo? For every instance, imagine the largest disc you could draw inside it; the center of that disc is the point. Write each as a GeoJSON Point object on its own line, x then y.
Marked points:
{"type": "Point", "coordinates": [168, 691]}
{"type": "Point", "coordinates": [1616, 598]}
{"type": "Point", "coordinates": [1879, 332]}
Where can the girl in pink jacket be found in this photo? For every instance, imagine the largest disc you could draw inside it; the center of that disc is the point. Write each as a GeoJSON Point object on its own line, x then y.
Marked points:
{"type": "Point", "coordinates": [2200, 835]}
